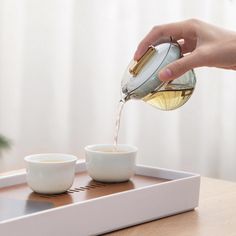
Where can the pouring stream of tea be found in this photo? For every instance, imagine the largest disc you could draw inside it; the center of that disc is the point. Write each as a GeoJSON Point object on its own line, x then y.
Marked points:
{"type": "Point", "coordinates": [117, 124]}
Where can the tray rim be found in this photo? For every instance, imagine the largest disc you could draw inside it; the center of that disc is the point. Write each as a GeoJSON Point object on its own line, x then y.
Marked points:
{"type": "Point", "coordinates": [20, 178]}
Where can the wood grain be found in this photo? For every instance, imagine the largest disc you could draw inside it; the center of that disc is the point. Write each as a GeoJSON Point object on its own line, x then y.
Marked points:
{"type": "Point", "coordinates": [215, 216]}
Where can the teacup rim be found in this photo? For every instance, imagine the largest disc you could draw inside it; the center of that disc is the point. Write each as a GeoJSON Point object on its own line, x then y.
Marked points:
{"type": "Point", "coordinates": [29, 158]}
{"type": "Point", "coordinates": [90, 147]}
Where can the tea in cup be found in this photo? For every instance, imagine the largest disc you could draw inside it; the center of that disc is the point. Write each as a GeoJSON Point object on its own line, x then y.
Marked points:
{"type": "Point", "coordinates": [109, 163]}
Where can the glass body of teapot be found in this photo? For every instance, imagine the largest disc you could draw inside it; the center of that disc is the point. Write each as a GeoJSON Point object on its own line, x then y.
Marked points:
{"type": "Point", "coordinates": [141, 81]}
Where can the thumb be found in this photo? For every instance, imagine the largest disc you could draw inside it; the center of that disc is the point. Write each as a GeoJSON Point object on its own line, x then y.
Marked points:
{"type": "Point", "coordinates": [178, 67]}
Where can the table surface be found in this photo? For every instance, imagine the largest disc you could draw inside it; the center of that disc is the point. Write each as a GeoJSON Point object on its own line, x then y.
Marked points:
{"type": "Point", "coordinates": [216, 215]}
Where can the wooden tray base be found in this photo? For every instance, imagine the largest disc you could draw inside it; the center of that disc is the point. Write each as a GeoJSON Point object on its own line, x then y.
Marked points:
{"type": "Point", "coordinates": [20, 200]}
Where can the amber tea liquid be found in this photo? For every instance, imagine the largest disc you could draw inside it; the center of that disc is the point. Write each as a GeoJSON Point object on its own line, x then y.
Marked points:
{"type": "Point", "coordinates": [117, 124]}
{"type": "Point", "coordinates": [172, 97]}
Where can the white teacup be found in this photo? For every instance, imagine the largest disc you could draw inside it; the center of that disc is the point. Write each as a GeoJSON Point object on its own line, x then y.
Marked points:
{"type": "Point", "coordinates": [50, 173]}
{"type": "Point", "coordinates": [108, 165]}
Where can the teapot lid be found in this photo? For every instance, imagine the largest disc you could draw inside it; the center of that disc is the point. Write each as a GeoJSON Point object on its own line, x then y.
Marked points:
{"type": "Point", "coordinates": [155, 58]}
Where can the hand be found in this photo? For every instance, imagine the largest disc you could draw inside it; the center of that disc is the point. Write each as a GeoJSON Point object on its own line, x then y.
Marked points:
{"type": "Point", "coordinates": [202, 45]}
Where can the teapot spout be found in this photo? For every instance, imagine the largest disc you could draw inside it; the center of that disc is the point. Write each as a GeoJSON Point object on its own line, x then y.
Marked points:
{"type": "Point", "coordinates": [125, 98]}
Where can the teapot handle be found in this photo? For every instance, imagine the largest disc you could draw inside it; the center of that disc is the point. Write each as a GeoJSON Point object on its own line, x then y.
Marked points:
{"type": "Point", "coordinates": [138, 65]}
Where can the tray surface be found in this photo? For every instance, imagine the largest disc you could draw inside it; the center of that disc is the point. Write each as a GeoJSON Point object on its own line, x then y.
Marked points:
{"type": "Point", "coordinates": [20, 200]}
{"type": "Point", "coordinates": [11, 208]}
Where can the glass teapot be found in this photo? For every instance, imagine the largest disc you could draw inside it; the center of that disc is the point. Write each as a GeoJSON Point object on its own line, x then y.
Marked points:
{"type": "Point", "coordinates": [140, 80]}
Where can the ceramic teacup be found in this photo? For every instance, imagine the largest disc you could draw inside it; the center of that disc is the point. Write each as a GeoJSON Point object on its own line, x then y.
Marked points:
{"type": "Point", "coordinates": [106, 164]}
{"type": "Point", "coordinates": [50, 173]}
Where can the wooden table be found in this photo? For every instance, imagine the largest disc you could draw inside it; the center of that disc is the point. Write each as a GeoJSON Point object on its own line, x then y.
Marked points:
{"type": "Point", "coordinates": [215, 216]}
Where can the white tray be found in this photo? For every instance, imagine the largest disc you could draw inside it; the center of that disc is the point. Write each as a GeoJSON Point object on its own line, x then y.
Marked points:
{"type": "Point", "coordinates": [152, 194]}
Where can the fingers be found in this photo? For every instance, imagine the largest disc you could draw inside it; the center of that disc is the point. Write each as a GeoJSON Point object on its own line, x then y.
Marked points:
{"type": "Point", "coordinates": [145, 43]}
{"type": "Point", "coordinates": [179, 67]}
{"type": "Point", "coordinates": [183, 47]}
{"type": "Point", "coordinates": [159, 34]}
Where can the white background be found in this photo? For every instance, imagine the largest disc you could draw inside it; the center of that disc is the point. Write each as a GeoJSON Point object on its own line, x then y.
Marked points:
{"type": "Point", "coordinates": [61, 63]}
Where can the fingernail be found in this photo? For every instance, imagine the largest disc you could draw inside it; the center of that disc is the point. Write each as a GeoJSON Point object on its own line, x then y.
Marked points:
{"type": "Point", "coordinates": [165, 74]}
